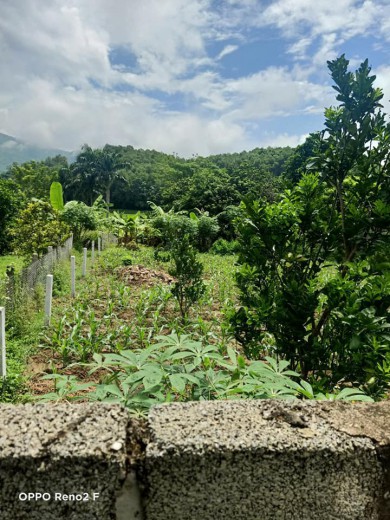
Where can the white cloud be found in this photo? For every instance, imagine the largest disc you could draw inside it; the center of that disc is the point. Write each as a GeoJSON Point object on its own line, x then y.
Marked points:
{"type": "Point", "coordinates": [274, 91]}
{"type": "Point", "coordinates": [283, 139]}
{"type": "Point", "coordinates": [331, 22]}
{"type": "Point", "coordinates": [227, 50]}
{"type": "Point", "coordinates": [59, 89]}
{"type": "Point", "coordinates": [383, 81]}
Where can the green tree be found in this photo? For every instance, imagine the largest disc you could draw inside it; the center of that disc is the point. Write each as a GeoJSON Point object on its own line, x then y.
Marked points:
{"type": "Point", "coordinates": [12, 202]}
{"type": "Point", "coordinates": [34, 178]}
{"type": "Point", "coordinates": [108, 166]}
{"type": "Point", "coordinates": [36, 228]}
{"type": "Point", "coordinates": [301, 160]}
{"type": "Point", "coordinates": [80, 179]}
{"type": "Point", "coordinates": [313, 265]}
{"type": "Point", "coordinates": [187, 270]}
{"type": "Point", "coordinates": [79, 217]}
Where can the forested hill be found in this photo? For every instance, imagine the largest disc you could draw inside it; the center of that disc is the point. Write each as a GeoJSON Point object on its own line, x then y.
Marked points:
{"type": "Point", "coordinates": [210, 183]}
{"type": "Point", "coordinates": [130, 177]}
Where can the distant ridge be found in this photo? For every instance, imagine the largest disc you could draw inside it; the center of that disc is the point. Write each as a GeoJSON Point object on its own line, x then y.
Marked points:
{"type": "Point", "coordinates": [14, 150]}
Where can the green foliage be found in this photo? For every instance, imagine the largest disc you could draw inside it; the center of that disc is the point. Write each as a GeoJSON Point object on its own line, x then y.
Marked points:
{"type": "Point", "coordinates": [224, 247]}
{"type": "Point", "coordinates": [36, 228]}
{"type": "Point", "coordinates": [309, 272]}
{"type": "Point", "coordinates": [169, 226]}
{"type": "Point", "coordinates": [137, 176]}
{"type": "Point", "coordinates": [301, 160]}
{"type": "Point", "coordinates": [11, 203]}
{"type": "Point", "coordinates": [56, 197]}
{"type": "Point", "coordinates": [187, 270]}
{"type": "Point", "coordinates": [127, 261]}
{"type": "Point", "coordinates": [80, 218]}
{"type": "Point", "coordinates": [94, 172]}
{"type": "Point", "coordinates": [207, 230]}
{"type": "Point", "coordinates": [34, 178]}
{"type": "Point", "coordinates": [128, 227]}
{"type": "Point", "coordinates": [178, 368]}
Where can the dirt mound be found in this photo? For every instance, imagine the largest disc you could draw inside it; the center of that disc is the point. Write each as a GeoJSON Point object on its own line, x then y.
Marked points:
{"type": "Point", "coordinates": [140, 275]}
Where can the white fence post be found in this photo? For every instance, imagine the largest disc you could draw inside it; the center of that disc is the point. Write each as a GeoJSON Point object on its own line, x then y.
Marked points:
{"type": "Point", "coordinates": [3, 366]}
{"type": "Point", "coordinates": [51, 257]}
{"type": "Point", "coordinates": [48, 298]}
{"type": "Point", "coordinates": [99, 245]}
{"type": "Point", "coordinates": [93, 252]}
{"type": "Point", "coordinates": [73, 275]}
{"type": "Point", "coordinates": [84, 272]}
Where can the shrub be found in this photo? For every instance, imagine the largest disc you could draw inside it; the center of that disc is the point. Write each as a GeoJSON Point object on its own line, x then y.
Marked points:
{"type": "Point", "coordinates": [207, 231]}
{"type": "Point", "coordinates": [310, 272]}
{"type": "Point", "coordinates": [224, 247]}
{"type": "Point", "coordinates": [11, 203]}
{"type": "Point", "coordinates": [36, 228]}
{"type": "Point", "coordinates": [187, 270]}
{"type": "Point", "coordinates": [80, 218]}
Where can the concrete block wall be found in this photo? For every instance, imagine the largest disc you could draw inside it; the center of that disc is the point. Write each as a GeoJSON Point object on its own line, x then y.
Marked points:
{"type": "Point", "coordinates": [252, 460]}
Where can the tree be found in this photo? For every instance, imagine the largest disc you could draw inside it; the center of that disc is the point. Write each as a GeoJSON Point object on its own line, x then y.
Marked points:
{"type": "Point", "coordinates": [301, 160]}
{"type": "Point", "coordinates": [187, 270]}
{"type": "Point", "coordinates": [34, 178]}
{"type": "Point", "coordinates": [12, 202]}
{"type": "Point", "coordinates": [36, 228]}
{"type": "Point", "coordinates": [313, 265]}
{"type": "Point", "coordinates": [80, 180]}
{"type": "Point", "coordinates": [108, 165]}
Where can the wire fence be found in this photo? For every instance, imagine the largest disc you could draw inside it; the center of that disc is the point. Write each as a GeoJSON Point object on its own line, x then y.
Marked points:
{"type": "Point", "coordinates": [16, 286]}
{"type": "Point", "coordinates": [108, 239]}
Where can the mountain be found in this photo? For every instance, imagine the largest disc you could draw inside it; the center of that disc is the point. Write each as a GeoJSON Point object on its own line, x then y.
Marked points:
{"type": "Point", "coordinates": [13, 150]}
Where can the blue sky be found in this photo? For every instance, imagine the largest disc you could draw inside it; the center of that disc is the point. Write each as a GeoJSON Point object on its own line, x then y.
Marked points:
{"type": "Point", "coordinates": [182, 76]}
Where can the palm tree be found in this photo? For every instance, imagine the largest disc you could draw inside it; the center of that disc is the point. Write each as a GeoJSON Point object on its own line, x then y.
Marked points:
{"type": "Point", "coordinates": [109, 165]}
{"type": "Point", "coordinates": [81, 178]}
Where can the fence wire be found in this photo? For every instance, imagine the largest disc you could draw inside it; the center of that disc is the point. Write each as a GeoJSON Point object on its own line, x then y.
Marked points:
{"type": "Point", "coordinates": [15, 285]}
{"type": "Point", "coordinates": [37, 271]}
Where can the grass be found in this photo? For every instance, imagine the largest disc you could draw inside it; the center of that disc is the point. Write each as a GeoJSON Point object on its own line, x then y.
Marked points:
{"type": "Point", "coordinates": [24, 326]}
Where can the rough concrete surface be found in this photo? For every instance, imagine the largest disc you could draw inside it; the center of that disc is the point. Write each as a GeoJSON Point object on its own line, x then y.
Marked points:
{"type": "Point", "coordinates": [64, 449]}
{"type": "Point", "coordinates": [266, 460]}
{"type": "Point", "coordinates": [252, 460]}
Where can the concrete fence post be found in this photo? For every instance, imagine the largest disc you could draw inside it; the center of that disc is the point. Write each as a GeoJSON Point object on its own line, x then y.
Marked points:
{"type": "Point", "coordinates": [3, 365]}
{"type": "Point", "coordinates": [99, 245]}
{"type": "Point", "coordinates": [93, 252]}
{"type": "Point", "coordinates": [84, 270]}
{"type": "Point", "coordinates": [48, 298]}
{"type": "Point", "coordinates": [73, 275]}
{"type": "Point", "coordinates": [51, 259]}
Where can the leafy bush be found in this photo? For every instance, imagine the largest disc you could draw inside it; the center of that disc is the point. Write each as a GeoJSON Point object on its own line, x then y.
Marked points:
{"type": "Point", "coordinates": [224, 247]}
{"type": "Point", "coordinates": [36, 228]}
{"type": "Point", "coordinates": [309, 272]}
{"type": "Point", "coordinates": [80, 218]}
{"type": "Point", "coordinates": [180, 369]}
{"type": "Point", "coordinates": [187, 270]}
{"type": "Point", "coordinates": [11, 203]}
{"type": "Point", "coordinates": [207, 230]}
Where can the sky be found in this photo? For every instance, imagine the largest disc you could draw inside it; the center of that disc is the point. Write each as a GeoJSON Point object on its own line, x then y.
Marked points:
{"type": "Point", "coordinates": [180, 76]}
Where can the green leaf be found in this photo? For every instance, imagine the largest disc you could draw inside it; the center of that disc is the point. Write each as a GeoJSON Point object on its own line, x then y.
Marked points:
{"type": "Point", "coordinates": [56, 196]}
{"type": "Point", "coordinates": [177, 382]}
